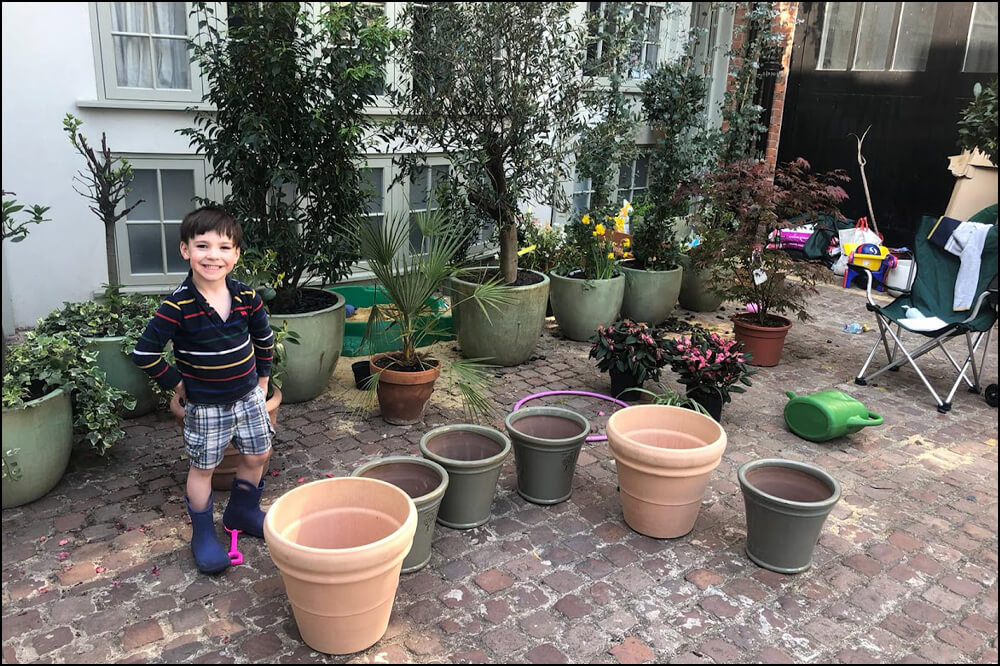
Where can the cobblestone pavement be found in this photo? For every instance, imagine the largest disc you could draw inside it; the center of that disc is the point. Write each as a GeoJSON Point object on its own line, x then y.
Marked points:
{"type": "Point", "coordinates": [100, 571]}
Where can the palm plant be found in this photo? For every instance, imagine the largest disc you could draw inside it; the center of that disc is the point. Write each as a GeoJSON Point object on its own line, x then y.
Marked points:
{"type": "Point", "coordinates": [410, 280]}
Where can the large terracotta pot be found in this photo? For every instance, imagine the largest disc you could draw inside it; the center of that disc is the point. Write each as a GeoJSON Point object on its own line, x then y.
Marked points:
{"type": "Point", "coordinates": [664, 456]}
{"type": "Point", "coordinates": [402, 396]}
{"type": "Point", "coordinates": [39, 437]}
{"type": "Point", "coordinates": [764, 342]}
{"type": "Point", "coordinates": [225, 472]}
{"type": "Point", "coordinates": [339, 545]}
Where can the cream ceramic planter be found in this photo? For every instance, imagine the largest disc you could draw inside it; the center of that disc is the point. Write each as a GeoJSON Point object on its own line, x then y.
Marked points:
{"type": "Point", "coordinates": [339, 544]}
{"type": "Point", "coordinates": [665, 456]}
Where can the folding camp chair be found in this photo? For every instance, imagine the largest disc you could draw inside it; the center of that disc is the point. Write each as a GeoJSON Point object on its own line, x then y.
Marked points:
{"type": "Point", "coordinates": [932, 294]}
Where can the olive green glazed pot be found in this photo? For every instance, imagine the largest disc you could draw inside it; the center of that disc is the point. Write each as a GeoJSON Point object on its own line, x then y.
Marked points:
{"type": "Point", "coordinates": [695, 294]}
{"type": "Point", "coordinates": [787, 503]}
{"type": "Point", "coordinates": [547, 443]}
{"type": "Point", "coordinates": [473, 456]}
{"type": "Point", "coordinates": [122, 373]}
{"type": "Point", "coordinates": [509, 334]}
{"type": "Point", "coordinates": [425, 482]}
{"type": "Point", "coordinates": [41, 433]}
{"type": "Point", "coordinates": [580, 306]}
{"type": "Point", "coordinates": [650, 296]}
{"type": "Point", "coordinates": [310, 363]}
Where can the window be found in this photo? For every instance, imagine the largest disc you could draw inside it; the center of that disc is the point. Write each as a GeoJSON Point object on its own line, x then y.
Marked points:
{"type": "Point", "coordinates": [632, 185]}
{"type": "Point", "coordinates": [148, 240]}
{"type": "Point", "coordinates": [981, 52]}
{"type": "Point", "coordinates": [607, 19]}
{"type": "Point", "coordinates": [143, 52]}
{"type": "Point", "coordinates": [375, 181]}
{"type": "Point", "coordinates": [876, 36]}
{"type": "Point", "coordinates": [424, 186]}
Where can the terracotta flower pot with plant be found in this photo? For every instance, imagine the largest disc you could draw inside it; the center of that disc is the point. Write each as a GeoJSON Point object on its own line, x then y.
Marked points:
{"type": "Point", "coordinates": [631, 353]}
{"type": "Point", "coordinates": [711, 367]}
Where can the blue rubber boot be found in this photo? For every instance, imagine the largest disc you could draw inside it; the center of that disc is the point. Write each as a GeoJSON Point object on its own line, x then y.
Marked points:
{"type": "Point", "coordinates": [243, 511]}
{"type": "Point", "coordinates": [210, 555]}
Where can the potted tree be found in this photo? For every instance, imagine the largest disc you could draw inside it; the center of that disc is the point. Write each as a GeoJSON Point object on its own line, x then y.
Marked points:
{"type": "Point", "coordinates": [711, 367]}
{"type": "Point", "coordinates": [53, 394]}
{"type": "Point", "coordinates": [630, 352]}
{"type": "Point", "coordinates": [402, 381]}
{"type": "Point", "coordinates": [290, 88]}
{"type": "Point", "coordinates": [748, 273]}
{"type": "Point", "coordinates": [975, 170]}
{"type": "Point", "coordinates": [503, 119]}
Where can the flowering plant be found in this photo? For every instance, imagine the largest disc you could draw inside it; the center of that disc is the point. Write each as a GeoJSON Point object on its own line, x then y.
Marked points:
{"type": "Point", "coordinates": [631, 347]}
{"type": "Point", "coordinates": [541, 244]}
{"type": "Point", "coordinates": [590, 245]}
{"type": "Point", "coordinates": [709, 363]}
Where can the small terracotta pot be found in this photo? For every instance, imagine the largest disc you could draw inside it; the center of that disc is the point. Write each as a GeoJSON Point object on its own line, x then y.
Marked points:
{"type": "Point", "coordinates": [764, 342]}
{"type": "Point", "coordinates": [664, 456]}
{"type": "Point", "coordinates": [223, 475]}
{"type": "Point", "coordinates": [402, 396]}
{"type": "Point", "coordinates": [339, 545]}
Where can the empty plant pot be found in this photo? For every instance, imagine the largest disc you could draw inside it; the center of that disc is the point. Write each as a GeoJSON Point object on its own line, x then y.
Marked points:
{"type": "Point", "coordinates": [547, 442]}
{"type": "Point", "coordinates": [425, 482]}
{"type": "Point", "coordinates": [664, 456]}
{"type": "Point", "coordinates": [472, 456]}
{"type": "Point", "coordinates": [362, 371]}
{"type": "Point", "coordinates": [787, 503]}
{"type": "Point", "coordinates": [339, 545]}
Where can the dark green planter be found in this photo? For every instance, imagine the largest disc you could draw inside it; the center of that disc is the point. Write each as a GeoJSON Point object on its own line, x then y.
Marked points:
{"type": "Point", "coordinates": [650, 296]}
{"type": "Point", "coordinates": [472, 456]}
{"type": "Point", "coordinates": [122, 373]}
{"type": "Point", "coordinates": [42, 433]}
{"type": "Point", "coordinates": [695, 294]}
{"type": "Point", "coordinates": [310, 363]}
{"type": "Point", "coordinates": [509, 335]}
{"type": "Point", "coordinates": [580, 306]}
{"type": "Point", "coordinates": [787, 503]}
{"type": "Point", "coordinates": [547, 442]}
{"type": "Point", "coordinates": [425, 482]}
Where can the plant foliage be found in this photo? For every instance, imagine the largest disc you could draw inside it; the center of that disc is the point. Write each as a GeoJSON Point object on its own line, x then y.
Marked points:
{"type": "Point", "coordinates": [978, 126]}
{"type": "Point", "coordinates": [120, 315]}
{"type": "Point", "coordinates": [16, 231]}
{"type": "Point", "coordinates": [629, 347]}
{"type": "Point", "coordinates": [708, 363]}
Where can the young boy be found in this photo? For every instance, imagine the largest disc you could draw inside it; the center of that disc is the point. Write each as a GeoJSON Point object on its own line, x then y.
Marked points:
{"type": "Point", "coordinates": [223, 347]}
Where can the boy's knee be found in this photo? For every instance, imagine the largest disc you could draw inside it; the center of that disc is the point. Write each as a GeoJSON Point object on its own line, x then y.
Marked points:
{"type": "Point", "coordinates": [257, 459]}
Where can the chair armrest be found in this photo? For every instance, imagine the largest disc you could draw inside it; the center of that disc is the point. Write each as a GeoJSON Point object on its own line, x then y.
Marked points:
{"type": "Point", "coordinates": [870, 279]}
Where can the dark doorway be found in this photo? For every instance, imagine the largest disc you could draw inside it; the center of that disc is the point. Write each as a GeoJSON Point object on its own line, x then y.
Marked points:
{"type": "Point", "coordinates": [913, 114]}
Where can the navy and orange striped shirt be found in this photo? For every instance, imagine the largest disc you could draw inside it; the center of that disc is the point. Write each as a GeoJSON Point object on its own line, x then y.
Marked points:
{"type": "Point", "coordinates": [219, 361]}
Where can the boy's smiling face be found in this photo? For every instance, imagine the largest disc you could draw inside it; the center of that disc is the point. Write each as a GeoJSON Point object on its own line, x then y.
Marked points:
{"type": "Point", "coordinates": [212, 257]}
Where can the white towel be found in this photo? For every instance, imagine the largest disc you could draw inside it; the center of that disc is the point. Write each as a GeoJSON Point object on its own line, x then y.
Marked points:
{"type": "Point", "coordinates": [967, 243]}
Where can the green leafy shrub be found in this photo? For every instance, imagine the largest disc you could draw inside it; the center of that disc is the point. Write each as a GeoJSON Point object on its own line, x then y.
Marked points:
{"type": "Point", "coordinates": [629, 347]}
{"type": "Point", "coordinates": [978, 126]}
{"type": "Point", "coordinates": [118, 314]}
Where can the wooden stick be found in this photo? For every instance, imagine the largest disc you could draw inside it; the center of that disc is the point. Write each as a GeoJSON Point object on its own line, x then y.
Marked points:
{"type": "Point", "coordinates": [864, 181]}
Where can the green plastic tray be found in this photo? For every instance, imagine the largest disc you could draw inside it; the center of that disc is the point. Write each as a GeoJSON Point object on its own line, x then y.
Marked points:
{"type": "Point", "coordinates": [385, 338]}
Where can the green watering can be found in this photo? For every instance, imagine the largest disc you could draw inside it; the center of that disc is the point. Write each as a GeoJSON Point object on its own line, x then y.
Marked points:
{"type": "Point", "coordinates": [827, 414]}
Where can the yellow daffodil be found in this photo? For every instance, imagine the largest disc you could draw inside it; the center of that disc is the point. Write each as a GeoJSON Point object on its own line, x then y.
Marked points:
{"type": "Point", "coordinates": [585, 219]}
{"type": "Point", "coordinates": [600, 229]}
{"type": "Point", "coordinates": [593, 233]}
{"type": "Point", "coordinates": [627, 242]}
{"type": "Point", "coordinates": [619, 224]}
{"type": "Point", "coordinates": [611, 255]}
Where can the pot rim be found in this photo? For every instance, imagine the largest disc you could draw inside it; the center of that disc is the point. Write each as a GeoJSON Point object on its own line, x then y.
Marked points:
{"type": "Point", "coordinates": [284, 542]}
{"type": "Point", "coordinates": [491, 433]}
{"type": "Point", "coordinates": [519, 287]}
{"type": "Point", "coordinates": [554, 274]}
{"type": "Point", "coordinates": [440, 489]}
{"type": "Point", "coordinates": [625, 267]}
{"type": "Point", "coordinates": [739, 317]}
{"type": "Point", "coordinates": [341, 302]}
{"type": "Point", "coordinates": [662, 451]}
{"type": "Point", "coordinates": [562, 412]}
{"type": "Point", "coordinates": [812, 470]}
{"type": "Point", "coordinates": [37, 401]}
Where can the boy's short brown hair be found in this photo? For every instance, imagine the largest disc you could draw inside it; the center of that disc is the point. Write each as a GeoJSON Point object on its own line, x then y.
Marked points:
{"type": "Point", "coordinates": [211, 218]}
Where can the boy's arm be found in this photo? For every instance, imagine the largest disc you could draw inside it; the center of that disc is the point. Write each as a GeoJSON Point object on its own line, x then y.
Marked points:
{"type": "Point", "coordinates": [262, 337]}
{"type": "Point", "coordinates": [148, 354]}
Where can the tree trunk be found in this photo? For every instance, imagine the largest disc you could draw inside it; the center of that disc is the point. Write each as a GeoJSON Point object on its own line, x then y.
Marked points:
{"type": "Point", "coordinates": [112, 250]}
{"type": "Point", "coordinates": [508, 253]}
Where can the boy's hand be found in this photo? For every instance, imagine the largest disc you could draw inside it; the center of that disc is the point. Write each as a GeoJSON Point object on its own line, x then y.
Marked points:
{"type": "Point", "coordinates": [262, 383]}
{"type": "Point", "coordinates": [180, 391]}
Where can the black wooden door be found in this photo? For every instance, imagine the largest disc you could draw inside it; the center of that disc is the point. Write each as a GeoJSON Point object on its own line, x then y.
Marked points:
{"type": "Point", "coordinates": [913, 116]}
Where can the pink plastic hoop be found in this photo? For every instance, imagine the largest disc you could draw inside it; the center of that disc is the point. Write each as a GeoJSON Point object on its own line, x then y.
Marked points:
{"type": "Point", "coordinates": [601, 396]}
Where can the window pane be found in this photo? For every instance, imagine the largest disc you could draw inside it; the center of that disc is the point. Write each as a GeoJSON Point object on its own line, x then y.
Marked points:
{"type": "Point", "coordinates": [418, 189]}
{"type": "Point", "coordinates": [641, 168]}
{"type": "Point", "coordinates": [144, 248]}
{"type": "Point", "coordinates": [144, 187]}
{"type": "Point", "coordinates": [873, 35]}
{"type": "Point", "coordinates": [129, 17]}
{"type": "Point", "coordinates": [132, 62]}
{"type": "Point", "coordinates": [175, 262]}
{"type": "Point", "coordinates": [838, 26]}
{"type": "Point", "coordinates": [982, 53]}
{"type": "Point", "coordinates": [439, 175]}
{"type": "Point", "coordinates": [916, 22]}
{"type": "Point", "coordinates": [373, 179]}
{"type": "Point", "coordinates": [178, 193]}
{"type": "Point", "coordinates": [172, 68]}
{"type": "Point", "coordinates": [416, 237]}
{"type": "Point", "coordinates": [625, 176]}
{"type": "Point", "coordinates": [581, 202]}
{"type": "Point", "coordinates": [169, 18]}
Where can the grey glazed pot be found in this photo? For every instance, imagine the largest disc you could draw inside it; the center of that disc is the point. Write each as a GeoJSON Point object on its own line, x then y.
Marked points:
{"type": "Point", "coordinates": [580, 306]}
{"type": "Point", "coordinates": [787, 503]}
{"type": "Point", "coordinates": [473, 456]}
{"type": "Point", "coordinates": [650, 296]}
{"type": "Point", "coordinates": [695, 294]}
{"type": "Point", "coordinates": [547, 442]}
{"type": "Point", "coordinates": [426, 483]}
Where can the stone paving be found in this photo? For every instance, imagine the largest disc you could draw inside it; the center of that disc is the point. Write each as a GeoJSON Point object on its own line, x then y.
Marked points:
{"type": "Point", "coordinates": [100, 571]}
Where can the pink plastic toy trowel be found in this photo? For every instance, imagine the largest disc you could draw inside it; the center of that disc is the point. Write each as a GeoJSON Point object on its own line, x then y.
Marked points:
{"type": "Point", "coordinates": [235, 556]}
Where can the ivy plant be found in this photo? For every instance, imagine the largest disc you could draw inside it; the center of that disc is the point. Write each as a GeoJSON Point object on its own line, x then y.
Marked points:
{"type": "Point", "coordinates": [117, 315]}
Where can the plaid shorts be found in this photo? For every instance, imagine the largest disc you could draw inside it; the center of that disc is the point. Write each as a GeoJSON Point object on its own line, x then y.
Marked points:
{"type": "Point", "coordinates": [209, 429]}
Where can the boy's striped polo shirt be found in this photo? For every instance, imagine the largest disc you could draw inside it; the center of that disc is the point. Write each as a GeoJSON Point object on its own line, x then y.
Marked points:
{"type": "Point", "coordinates": [219, 361]}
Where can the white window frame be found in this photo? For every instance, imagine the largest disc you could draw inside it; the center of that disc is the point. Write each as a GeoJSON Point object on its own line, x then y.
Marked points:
{"type": "Point", "coordinates": [106, 64]}
{"type": "Point", "coordinates": [429, 164]}
{"type": "Point", "coordinates": [968, 41]}
{"type": "Point", "coordinates": [574, 190]}
{"type": "Point", "coordinates": [674, 19]}
{"type": "Point", "coordinates": [889, 64]}
{"type": "Point", "coordinates": [202, 188]}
